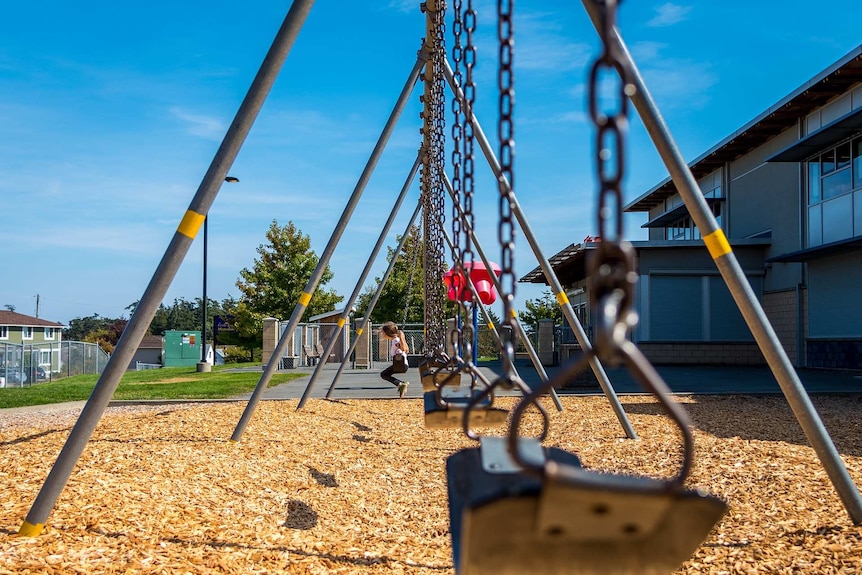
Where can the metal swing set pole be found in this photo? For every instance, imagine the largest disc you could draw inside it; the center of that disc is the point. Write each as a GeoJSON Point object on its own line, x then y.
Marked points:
{"type": "Point", "coordinates": [361, 281]}
{"type": "Point", "coordinates": [302, 304]}
{"type": "Point", "coordinates": [167, 269]}
{"type": "Point", "coordinates": [534, 357]}
{"type": "Point", "coordinates": [562, 299]}
{"type": "Point", "coordinates": [376, 297]}
{"type": "Point", "coordinates": [727, 264]}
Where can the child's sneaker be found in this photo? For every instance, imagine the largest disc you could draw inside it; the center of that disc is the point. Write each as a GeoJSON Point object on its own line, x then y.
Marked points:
{"type": "Point", "coordinates": [402, 388]}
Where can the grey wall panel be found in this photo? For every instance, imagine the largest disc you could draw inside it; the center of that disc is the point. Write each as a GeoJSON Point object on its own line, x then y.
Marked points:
{"type": "Point", "coordinates": [675, 308]}
{"type": "Point", "coordinates": [835, 297]}
{"type": "Point", "coordinates": [767, 199]}
{"type": "Point", "coordinates": [725, 320]}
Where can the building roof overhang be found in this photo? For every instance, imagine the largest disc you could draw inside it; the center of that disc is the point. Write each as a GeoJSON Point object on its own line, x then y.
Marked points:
{"type": "Point", "coordinates": [570, 264]}
{"type": "Point", "coordinates": [831, 82]}
{"type": "Point", "coordinates": [823, 251]}
{"type": "Point", "coordinates": [673, 214]}
{"type": "Point", "coordinates": [815, 142]}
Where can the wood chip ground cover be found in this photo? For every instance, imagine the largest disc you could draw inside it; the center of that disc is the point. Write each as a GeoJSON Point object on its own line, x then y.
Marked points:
{"type": "Point", "coordinates": [358, 486]}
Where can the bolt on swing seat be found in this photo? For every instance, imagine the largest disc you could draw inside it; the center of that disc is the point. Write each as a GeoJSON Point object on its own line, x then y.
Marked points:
{"type": "Point", "coordinates": [518, 507]}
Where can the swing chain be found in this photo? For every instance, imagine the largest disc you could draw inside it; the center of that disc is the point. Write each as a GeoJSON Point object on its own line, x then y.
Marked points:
{"type": "Point", "coordinates": [612, 273]}
{"type": "Point", "coordinates": [432, 181]}
{"type": "Point", "coordinates": [469, 20]}
{"type": "Point", "coordinates": [456, 336]}
{"type": "Point", "coordinates": [505, 129]}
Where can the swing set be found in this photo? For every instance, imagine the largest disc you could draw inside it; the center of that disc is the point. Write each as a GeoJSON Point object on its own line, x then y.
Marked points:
{"type": "Point", "coordinates": [516, 505]}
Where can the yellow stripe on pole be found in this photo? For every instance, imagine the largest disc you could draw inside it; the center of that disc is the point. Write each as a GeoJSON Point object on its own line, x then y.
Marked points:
{"type": "Point", "coordinates": [30, 530]}
{"type": "Point", "coordinates": [717, 244]}
{"type": "Point", "coordinates": [490, 325]}
{"type": "Point", "coordinates": [562, 298]}
{"type": "Point", "coordinates": [340, 322]}
{"type": "Point", "coordinates": [358, 332]}
{"type": "Point", "coordinates": [304, 299]}
{"type": "Point", "coordinates": [514, 314]}
{"type": "Point", "coordinates": [190, 224]}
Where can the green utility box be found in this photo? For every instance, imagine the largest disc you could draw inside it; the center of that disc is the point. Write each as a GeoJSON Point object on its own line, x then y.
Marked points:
{"type": "Point", "coordinates": [182, 348]}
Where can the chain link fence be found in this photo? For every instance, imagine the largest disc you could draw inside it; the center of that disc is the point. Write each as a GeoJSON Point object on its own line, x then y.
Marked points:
{"type": "Point", "coordinates": [372, 349]}
{"type": "Point", "coordinates": [28, 364]}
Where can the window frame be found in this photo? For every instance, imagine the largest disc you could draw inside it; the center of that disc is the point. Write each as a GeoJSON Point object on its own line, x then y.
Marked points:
{"type": "Point", "coordinates": [27, 332]}
{"type": "Point", "coordinates": [852, 168]}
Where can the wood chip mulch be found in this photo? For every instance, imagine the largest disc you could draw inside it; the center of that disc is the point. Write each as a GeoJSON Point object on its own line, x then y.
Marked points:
{"type": "Point", "coordinates": [358, 486]}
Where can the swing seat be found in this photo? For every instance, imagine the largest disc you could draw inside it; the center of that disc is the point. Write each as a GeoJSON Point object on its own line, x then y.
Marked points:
{"type": "Point", "coordinates": [505, 521]}
{"type": "Point", "coordinates": [432, 377]}
{"type": "Point", "coordinates": [483, 414]}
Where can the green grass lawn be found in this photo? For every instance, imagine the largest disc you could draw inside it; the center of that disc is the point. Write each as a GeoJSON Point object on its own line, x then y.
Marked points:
{"type": "Point", "coordinates": [164, 383]}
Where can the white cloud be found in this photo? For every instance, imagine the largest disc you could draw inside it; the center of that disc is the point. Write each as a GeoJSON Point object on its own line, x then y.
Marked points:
{"type": "Point", "coordinates": [199, 125]}
{"type": "Point", "coordinates": [669, 14]}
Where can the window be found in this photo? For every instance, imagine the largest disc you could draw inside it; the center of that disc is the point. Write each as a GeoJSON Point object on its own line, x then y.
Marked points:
{"type": "Point", "coordinates": [857, 163]}
{"type": "Point", "coordinates": [49, 333]}
{"type": "Point", "coordinates": [834, 187]}
{"type": "Point", "coordinates": [27, 332]}
{"type": "Point", "coordinates": [813, 183]}
{"type": "Point", "coordinates": [685, 228]}
{"type": "Point", "coordinates": [44, 357]}
{"type": "Point", "coordinates": [4, 332]}
{"type": "Point", "coordinates": [835, 172]}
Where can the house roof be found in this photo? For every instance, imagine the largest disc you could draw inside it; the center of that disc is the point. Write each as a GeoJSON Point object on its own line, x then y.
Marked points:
{"type": "Point", "coordinates": [151, 342]}
{"type": "Point", "coordinates": [816, 92]}
{"type": "Point", "coordinates": [11, 318]}
{"type": "Point", "coordinates": [333, 313]}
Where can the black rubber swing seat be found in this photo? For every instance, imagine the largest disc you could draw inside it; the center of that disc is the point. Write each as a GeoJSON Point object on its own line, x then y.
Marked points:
{"type": "Point", "coordinates": [506, 521]}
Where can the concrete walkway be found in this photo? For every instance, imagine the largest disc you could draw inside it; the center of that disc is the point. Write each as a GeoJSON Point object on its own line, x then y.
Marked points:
{"type": "Point", "coordinates": [367, 384]}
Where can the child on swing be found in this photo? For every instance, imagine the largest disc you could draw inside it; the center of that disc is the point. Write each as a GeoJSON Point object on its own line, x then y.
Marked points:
{"type": "Point", "coordinates": [398, 350]}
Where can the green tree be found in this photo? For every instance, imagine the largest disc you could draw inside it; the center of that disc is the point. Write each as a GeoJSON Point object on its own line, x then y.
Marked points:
{"type": "Point", "coordinates": [545, 307]}
{"type": "Point", "coordinates": [274, 285]}
{"type": "Point", "coordinates": [407, 277]}
{"type": "Point", "coordinates": [96, 329]}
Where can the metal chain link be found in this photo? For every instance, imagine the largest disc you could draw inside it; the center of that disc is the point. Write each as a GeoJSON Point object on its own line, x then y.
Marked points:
{"type": "Point", "coordinates": [469, 91]}
{"type": "Point", "coordinates": [456, 337]}
{"type": "Point", "coordinates": [433, 204]}
{"type": "Point", "coordinates": [505, 129]}
{"type": "Point", "coordinates": [610, 128]}
{"type": "Point", "coordinates": [612, 275]}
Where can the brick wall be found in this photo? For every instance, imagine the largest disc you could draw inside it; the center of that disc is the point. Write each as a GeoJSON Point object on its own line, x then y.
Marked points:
{"type": "Point", "coordinates": [702, 353]}
{"type": "Point", "coordinates": [780, 309]}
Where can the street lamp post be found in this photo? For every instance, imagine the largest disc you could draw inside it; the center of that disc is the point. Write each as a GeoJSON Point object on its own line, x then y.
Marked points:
{"type": "Point", "coordinates": [205, 365]}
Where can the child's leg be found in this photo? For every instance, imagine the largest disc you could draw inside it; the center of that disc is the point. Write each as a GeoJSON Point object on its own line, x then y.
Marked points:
{"type": "Point", "coordinates": [387, 375]}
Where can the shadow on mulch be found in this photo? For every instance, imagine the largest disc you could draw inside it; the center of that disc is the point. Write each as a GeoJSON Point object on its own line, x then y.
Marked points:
{"type": "Point", "coordinates": [769, 418]}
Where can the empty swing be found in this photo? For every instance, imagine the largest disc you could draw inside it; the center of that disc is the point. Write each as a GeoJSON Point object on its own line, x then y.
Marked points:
{"type": "Point", "coordinates": [519, 507]}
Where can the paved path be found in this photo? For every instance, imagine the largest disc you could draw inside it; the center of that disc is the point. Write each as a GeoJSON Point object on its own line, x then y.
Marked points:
{"type": "Point", "coordinates": [367, 384]}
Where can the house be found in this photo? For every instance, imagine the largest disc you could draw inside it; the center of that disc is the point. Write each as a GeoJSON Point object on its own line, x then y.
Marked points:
{"type": "Point", "coordinates": [786, 189]}
{"type": "Point", "coordinates": [28, 343]}
{"type": "Point", "coordinates": [149, 352]}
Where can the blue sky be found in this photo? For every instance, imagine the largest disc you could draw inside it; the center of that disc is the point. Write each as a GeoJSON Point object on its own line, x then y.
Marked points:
{"type": "Point", "coordinates": [111, 112]}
